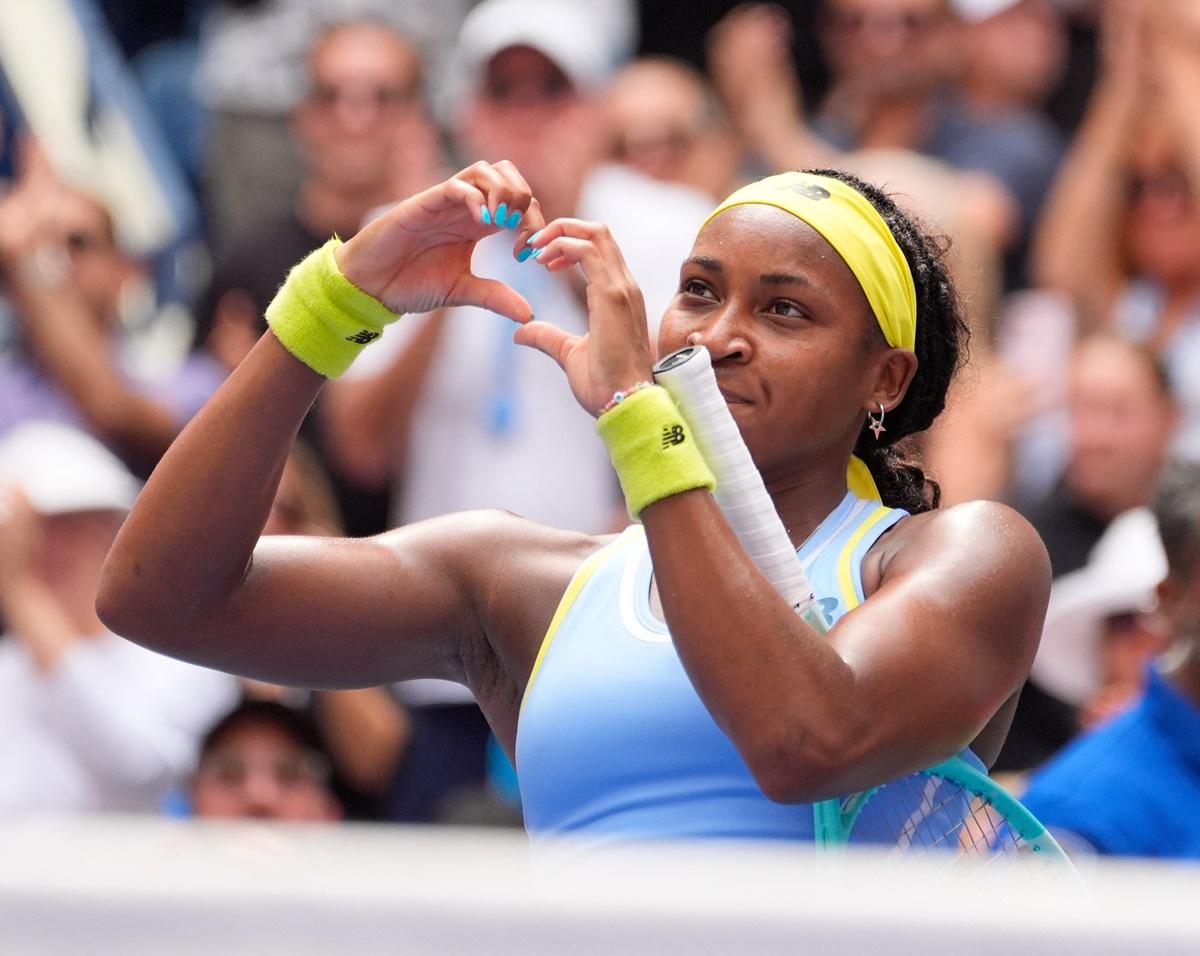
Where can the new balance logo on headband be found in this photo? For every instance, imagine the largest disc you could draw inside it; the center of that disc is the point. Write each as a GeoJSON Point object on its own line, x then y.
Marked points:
{"type": "Point", "coordinates": [363, 337]}
{"type": "Point", "coordinates": [808, 190]}
{"type": "Point", "coordinates": [673, 435]}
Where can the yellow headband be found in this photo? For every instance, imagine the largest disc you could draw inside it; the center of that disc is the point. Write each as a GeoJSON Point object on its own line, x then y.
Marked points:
{"type": "Point", "coordinates": [849, 223]}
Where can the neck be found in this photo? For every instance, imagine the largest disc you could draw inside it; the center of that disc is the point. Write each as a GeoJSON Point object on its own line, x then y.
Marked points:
{"type": "Point", "coordinates": [804, 500]}
{"type": "Point", "coordinates": [324, 209]}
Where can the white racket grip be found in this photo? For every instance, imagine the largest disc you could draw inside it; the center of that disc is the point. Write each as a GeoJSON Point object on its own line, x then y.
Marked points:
{"type": "Point", "coordinates": [740, 493]}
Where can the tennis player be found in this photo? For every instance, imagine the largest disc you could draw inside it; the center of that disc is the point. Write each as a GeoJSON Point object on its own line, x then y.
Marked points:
{"type": "Point", "coordinates": [653, 684]}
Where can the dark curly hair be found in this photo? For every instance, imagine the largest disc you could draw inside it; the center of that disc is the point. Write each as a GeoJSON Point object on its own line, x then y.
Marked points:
{"type": "Point", "coordinates": [941, 348]}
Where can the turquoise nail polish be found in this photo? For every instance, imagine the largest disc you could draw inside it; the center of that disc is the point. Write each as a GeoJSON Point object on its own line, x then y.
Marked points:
{"type": "Point", "coordinates": [514, 217]}
{"type": "Point", "coordinates": [530, 241]}
{"type": "Point", "coordinates": [536, 253]}
{"type": "Point", "coordinates": [524, 254]}
{"type": "Point", "coordinates": [501, 213]}
{"type": "Point", "coordinates": [484, 216]}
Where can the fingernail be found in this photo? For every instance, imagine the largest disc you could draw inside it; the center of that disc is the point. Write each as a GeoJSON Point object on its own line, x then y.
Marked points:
{"type": "Point", "coordinates": [484, 216]}
{"type": "Point", "coordinates": [536, 253]}
{"type": "Point", "coordinates": [531, 239]}
{"type": "Point", "coordinates": [524, 254]}
{"type": "Point", "coordinates": [501, 213]}
{"type": "Point", "coordinates": [514, 217]}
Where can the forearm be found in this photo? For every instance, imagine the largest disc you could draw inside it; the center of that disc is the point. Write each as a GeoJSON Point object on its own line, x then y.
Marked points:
{"type": "Point", "coordinates": [63, 337]}
{"type": "Point", "coordinates": [781, 693]}
{"type": "Point", "coordinates": [367, 732]}
{"type": "Point", "coordinates": [187, 543]}
{"type": "Point", "coordinates": [1076, 242]}
{"type": "Point", "coordinates": [36, 619]}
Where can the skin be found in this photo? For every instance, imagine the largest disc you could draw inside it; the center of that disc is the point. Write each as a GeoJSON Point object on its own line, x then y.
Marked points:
{"type": "Point", "coordinates": [956, 598]}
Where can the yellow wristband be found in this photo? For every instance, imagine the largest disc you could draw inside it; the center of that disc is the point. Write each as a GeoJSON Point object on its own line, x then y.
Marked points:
{"type": "Point", "coordinates": [321, 317]}
{"type": "Point", "coordinates": [651, 448]}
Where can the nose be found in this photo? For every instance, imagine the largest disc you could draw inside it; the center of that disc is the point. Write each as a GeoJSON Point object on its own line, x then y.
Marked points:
{"type": "Point", "coordinates": [724, 335]}
{"type": "Point", "coordinates": [261, 796]}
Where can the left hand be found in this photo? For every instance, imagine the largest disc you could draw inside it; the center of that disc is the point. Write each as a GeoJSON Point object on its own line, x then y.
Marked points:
{"type": "Point", "coordinates": [615, 353]}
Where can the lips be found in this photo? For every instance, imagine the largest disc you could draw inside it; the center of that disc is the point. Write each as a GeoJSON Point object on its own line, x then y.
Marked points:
{"type": "Point", "coordinates": [732, 397]}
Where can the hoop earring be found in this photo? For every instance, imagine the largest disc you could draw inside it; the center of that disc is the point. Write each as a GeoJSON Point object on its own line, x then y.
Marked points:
{"type": "Point", "coordinates": [876, 424]}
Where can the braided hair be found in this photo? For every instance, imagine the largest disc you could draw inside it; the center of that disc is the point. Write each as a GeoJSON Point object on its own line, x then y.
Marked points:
{"type": "Point", "coordinates": [941, 342]}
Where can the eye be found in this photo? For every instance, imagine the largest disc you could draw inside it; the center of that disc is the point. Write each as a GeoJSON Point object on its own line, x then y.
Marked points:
{"type": "Point", "coordinates": [697, 288]}
{"type": "Point", "coordinates": [787, 309]}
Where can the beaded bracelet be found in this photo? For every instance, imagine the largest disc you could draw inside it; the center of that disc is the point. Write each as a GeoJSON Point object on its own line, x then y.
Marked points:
{"type": "Point", "coordinates": [620, 396]}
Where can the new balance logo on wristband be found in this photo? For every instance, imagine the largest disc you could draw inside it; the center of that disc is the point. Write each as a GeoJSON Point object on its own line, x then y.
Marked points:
{"type": "Point", "coordinates": [363, 337]}
{"type": "Point", "coordinates": [673, 435]}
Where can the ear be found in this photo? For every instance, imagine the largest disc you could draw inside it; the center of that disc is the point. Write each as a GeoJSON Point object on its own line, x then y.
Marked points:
{"type": "Point", "coordinates": [893, 374]}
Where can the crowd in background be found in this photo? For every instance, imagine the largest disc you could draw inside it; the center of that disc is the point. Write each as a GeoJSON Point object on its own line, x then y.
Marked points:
{"type": "Point", "coordinates": [1053, 142]}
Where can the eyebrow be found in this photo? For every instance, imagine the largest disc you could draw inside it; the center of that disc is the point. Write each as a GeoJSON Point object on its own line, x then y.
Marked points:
{"type": "Point", "coordinates": [783, 278]}
{"type": "Point", "coordinates": [705, 262]}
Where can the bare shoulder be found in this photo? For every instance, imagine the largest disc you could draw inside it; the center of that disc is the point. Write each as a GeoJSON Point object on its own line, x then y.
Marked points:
{"type": "Point", "coordinates": [982, 552]}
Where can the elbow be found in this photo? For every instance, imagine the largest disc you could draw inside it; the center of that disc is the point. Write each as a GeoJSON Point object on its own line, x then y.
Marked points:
{"type": "Point", "coordinates": [116, 599]}
{"type": "Point", "coordinates": [802, 769]}
{"type": "Point", "coordinates": [127, 607]}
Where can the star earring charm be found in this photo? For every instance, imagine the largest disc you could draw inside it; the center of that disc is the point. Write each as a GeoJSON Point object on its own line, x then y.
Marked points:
{"type": "Point", "coordinates": [876, 424]}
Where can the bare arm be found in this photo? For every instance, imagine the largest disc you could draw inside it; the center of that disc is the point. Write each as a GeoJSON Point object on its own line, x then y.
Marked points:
{"type": "Point", "coordinates": [188, 575]}
{"type": "Point", "coordinates": [749, 55]}
{"type": "Point", "coordinates": [1076, 244]}
{"type": "Point", "coordinates": [904, 680]}
{"type": "Point", "coordinates": [58, 329]}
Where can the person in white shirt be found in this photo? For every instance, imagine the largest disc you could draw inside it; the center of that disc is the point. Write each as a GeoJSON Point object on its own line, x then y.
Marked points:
{"type": "Point", "coordinates": [88, 722]}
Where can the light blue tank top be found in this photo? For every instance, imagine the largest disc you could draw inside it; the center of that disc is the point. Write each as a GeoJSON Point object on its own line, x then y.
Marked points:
{"type": "Point", "coordinates": [613, 742]}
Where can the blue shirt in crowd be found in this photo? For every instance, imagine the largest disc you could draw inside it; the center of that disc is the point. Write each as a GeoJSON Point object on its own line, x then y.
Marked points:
{"type": "Point", "coordinates": [1132, 786]}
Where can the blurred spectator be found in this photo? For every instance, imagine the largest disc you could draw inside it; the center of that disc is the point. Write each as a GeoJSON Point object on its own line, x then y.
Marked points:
{"type": "Point", "coordinates": [252, 77]}
{"type": "Point", "coordinates": [1131, 787]}
{"type": "Point", "coordinates": [893, 66]}
{"type": "Point", "coordinates": [264, 761]}
{"type": "Point", "coordinates": [663, 119]}
{"type": "Point", "coordinates": [1013, 53]}
{"type": "Point", "coordinates": [1097, 638]}
{"type": "Point", "coordinates": [444, 401]}
{"type": "Point", "coordinates": [74, 294]}
{"type": "Point", "coordinates": [91, 722]}
{"type": "Point", "coordinates": [366, 140]}
{"type": "Point", "coordinates": [1121, 231]}
{"type": "Point", "coordinates": [1120, 424]}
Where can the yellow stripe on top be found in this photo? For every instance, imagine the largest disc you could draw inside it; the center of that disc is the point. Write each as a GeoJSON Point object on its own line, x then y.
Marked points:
{"type": "Point", "coordinates": [578, 580]}
{"type": "Point", "coordinates": [845, 567]}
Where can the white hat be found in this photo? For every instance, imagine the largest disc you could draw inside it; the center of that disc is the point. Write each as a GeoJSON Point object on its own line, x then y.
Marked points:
{"type": "Point", "coordinates": [976, 11]}
{"type": "Point", "coordinates": [1123, 570]}
{"type": "Point", "coordinates": [574, 35]}
{"type": "Point", "coordinates": [61, 470]}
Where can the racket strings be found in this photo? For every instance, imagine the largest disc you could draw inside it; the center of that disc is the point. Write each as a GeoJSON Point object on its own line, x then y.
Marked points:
{"type": "Point", "coordinates": [929, 813]}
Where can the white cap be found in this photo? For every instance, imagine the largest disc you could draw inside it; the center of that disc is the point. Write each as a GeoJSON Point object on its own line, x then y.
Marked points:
{"type": "Point", "coordinates": [976, 11]}
{"type": "Point", "coordinates": [61, 469]}
{"type": "Point", "coordinates": [1121, 575]}
{"type": "Point", "coordinates": [570, 33]}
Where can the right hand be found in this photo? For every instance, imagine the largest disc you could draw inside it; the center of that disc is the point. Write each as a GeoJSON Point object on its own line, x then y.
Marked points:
{"type": "Point", "coordinates": [416, 257]}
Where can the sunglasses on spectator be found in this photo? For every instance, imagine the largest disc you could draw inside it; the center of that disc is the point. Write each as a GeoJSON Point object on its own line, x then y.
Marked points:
{"type": "Point", "coordinates": [327, 96]}
{"type": "Point", "coordinates": [231, 770]}
{"type": "Point", "coordinates": [548, 87]}
{"type": "Point", "coordinates": [907, 22]}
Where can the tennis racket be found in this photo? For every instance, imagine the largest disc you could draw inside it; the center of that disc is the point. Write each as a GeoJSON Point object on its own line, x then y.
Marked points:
{"type": "Point", "coordinates": [951, 806]}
